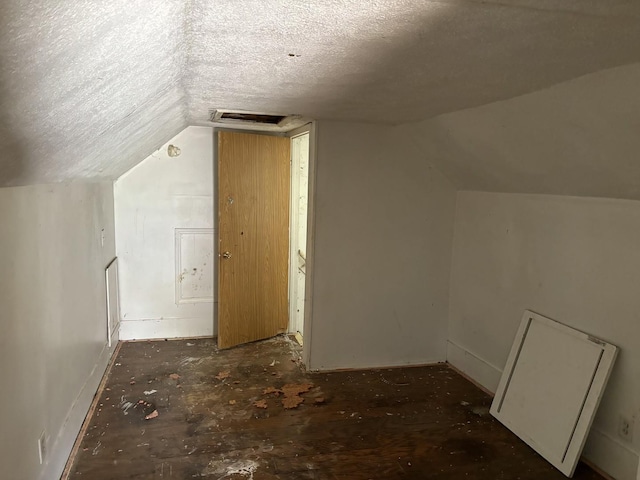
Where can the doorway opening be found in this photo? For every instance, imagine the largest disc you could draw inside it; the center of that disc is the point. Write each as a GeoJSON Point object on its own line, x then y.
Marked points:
{"type": "Point", "coordinates": [298, 233]}
{"type": "Point", "coordinates": [255, 192]}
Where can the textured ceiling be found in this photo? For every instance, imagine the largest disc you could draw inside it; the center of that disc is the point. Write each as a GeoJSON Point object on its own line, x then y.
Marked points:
{"type": "Point", "coordinates": [90, 88]}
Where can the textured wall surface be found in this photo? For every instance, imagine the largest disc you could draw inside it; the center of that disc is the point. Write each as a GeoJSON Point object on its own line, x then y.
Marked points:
{"type": "Point", "coordinates": [89, 89]}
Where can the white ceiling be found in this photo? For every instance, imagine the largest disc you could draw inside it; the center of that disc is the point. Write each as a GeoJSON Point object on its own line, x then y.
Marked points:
{"type": "Point", "coordinates": [90, 88]}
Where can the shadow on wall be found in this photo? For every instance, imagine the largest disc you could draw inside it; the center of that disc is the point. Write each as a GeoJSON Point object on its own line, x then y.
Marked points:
{"type": "Point", "coordinates": [404, 61]}
{"type": "Point", "coordinates": [13, 148]}
{"type": "Point", "coordinates": [445, 57]}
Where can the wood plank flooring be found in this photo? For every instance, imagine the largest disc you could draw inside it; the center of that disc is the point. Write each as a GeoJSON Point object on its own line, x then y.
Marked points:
{"type": "Point", "coordinates": [402, 423]}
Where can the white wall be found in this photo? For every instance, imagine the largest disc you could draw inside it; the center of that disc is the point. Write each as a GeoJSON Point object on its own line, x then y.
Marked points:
{"type": "Point", "coordinates": [159, 195]}
{"type": "Point", "coordinates": [383, 234]}
{"type": "Point", "coordinates": [576, 260]}
{"type": "Point", "coordinates": [53, 343]}
{"type": "Point", "coordinates": [576, 138]}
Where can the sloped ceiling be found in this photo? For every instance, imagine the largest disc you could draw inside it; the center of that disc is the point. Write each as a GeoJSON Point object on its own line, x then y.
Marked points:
{"type": "Point", "coordinates": [89, 88]}
{"type": "Point", "coordinates": [580, 137]}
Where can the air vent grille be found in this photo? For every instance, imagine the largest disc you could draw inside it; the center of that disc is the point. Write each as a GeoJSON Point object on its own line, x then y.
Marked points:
{"type": "Point", "coordinates": [274, 122]}
{"type": "Point", "coordinates": [253, 117]}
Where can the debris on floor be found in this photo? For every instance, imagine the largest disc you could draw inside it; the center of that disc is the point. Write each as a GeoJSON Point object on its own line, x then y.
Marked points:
{"type": "Point", "coordinates": [331, 425]}
{"type": "Point", "coordinates": [227, 468]}
{"type": "Point", "coordinates": [260, 404]}
{"type": "Point", "coordinates": [149, 409]}
{"type": "Point", "coordinates": [291, 393]}
{"type": "Point", "coordinates": [223, 375]}
{"type": "Point", "coordinates": [293, 389]}
{"type": "Point", "coordinates": [153, 414]}
{"type": "Point", "coordinates": [270, 390]}
{"type": "Point", "coordinates": [292, 402]}
{"type": "Point", "coordinates": [125, 405]}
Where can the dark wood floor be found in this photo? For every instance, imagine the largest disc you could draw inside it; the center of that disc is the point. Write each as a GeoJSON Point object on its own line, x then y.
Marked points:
{"type": "Point", "coordinates": [405, 423]}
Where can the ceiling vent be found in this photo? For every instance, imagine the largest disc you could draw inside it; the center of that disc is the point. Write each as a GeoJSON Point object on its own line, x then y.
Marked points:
{"type": "Point", "coordinates": [240, 117]}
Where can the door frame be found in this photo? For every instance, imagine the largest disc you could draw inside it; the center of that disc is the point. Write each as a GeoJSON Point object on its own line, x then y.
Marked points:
{"type": "Point", "coordinates": [308, 308]}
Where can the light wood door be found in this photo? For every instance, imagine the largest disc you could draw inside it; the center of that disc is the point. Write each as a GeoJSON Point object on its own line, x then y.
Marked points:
{"type": "Point", "coordinates": [253, 217]}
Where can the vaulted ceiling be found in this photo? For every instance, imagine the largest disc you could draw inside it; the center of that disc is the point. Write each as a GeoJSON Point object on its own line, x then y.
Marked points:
{"type": "Point", "coordinates": [90, 88]}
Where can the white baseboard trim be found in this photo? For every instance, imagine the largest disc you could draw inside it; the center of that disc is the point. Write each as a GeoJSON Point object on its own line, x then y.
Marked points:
{"type": "Point", "coordinates": [611, 456]}
{"type": "Point", "coordinates": [147, 329]}
{"type": "Point", "coordinates": [63, 444]}
{"type": "Point", "coordinates": [473, 366]}
{"type": "Point", "coordinates": [328, 367]}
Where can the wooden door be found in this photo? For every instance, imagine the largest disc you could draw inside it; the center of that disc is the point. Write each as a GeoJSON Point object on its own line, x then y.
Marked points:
{"type": "Point", "coordinates": [253, 222]}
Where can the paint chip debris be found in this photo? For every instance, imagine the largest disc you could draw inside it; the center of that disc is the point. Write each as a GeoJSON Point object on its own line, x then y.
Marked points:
{"type": "Point", "coordinates": [174, 376]}
{"type": "Point", "coordinates": [150, 392]}
{"type": "Point", "coordinates": [292, 402]}
{"type": "Point", "coordinates": [223, 375]}
{"type": "Point", "coordinates": [292, 389]}
{"type": "Point", "coordinates": [148, 409]}
{"type": "Point", "coordinates": [260, 404]}
{"type": "Point", "coordinates": [153, 414]}
{"type": "Point", "coordinates": [291, 393]}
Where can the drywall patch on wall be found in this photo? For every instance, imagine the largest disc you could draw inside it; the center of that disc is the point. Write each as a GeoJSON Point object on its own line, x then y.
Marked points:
{"type": "Point", "coordinates": [158, 196]}
{"type": "Point", "coordinates": [194, 265]}
{"type": "Point", "coordinates": [566, 257]}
